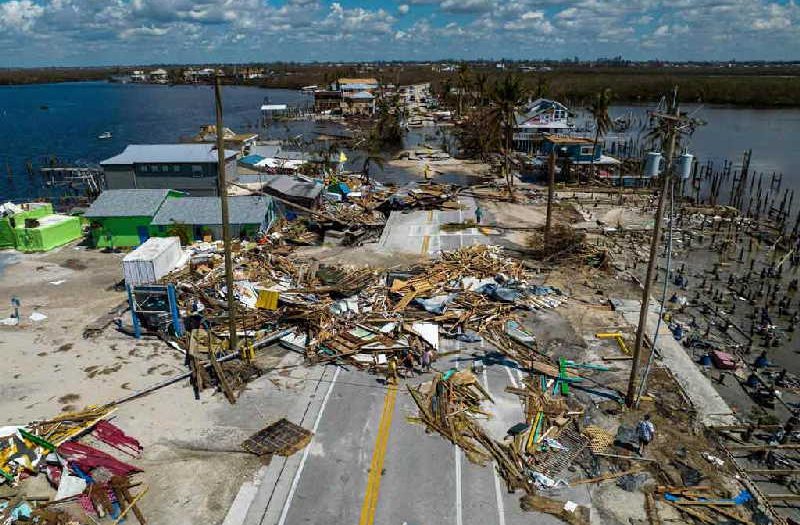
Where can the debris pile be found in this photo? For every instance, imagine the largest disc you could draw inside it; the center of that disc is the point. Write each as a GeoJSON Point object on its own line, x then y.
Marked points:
{"type": "Point", "coordinates": [75, 452]}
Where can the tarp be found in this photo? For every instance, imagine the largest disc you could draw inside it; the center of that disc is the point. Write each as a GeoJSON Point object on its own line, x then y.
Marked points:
{"type": "Point", "coordinates": [435, 305]}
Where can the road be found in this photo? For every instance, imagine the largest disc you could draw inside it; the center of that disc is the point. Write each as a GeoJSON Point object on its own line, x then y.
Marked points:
{"type": "Point", "coordinates": [367, 464]}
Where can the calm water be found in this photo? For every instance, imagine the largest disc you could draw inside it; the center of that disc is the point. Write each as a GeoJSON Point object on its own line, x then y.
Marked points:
{"type": "Point", "coordinates": [771, 134]}
{"type": "Point", "coordinates": [64, 120]}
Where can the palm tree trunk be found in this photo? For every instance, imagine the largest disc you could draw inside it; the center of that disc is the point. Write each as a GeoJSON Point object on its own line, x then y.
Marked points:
{"type": "Point", "coordinates": [509, 178]}
{"type": "Point", "coordinates": [594, 148]}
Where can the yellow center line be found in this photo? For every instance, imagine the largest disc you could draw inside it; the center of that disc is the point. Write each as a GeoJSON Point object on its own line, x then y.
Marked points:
{"type": "Point", "coordinates": [378, 455]}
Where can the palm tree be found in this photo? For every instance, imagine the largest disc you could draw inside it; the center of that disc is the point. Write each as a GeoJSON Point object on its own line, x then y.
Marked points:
{"type": "Point", "coordinates": [463, 86]}
{"type": "Point", "coordinates": [508, 94]}
{"type": "Point", "coordinates": [372, 156]}
{"type": "Point", "coordinates": [602, 122]}
{"type": "Point", "coordinates": [482, 87]}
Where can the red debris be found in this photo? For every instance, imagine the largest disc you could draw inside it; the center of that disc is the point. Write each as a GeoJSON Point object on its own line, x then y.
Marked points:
{"type": "Point", "coordinates": [113, 436]}
{"type": "Point", "coordinates": [88, 458]}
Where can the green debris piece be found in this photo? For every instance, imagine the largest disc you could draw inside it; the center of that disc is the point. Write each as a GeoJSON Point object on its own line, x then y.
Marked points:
{"type": "Point", "coordinates": [37, 440]}
{"type": "Point", "coordinates": [447, 375]}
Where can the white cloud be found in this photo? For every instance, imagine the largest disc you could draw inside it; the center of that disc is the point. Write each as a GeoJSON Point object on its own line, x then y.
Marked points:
{"type": "Point", "coordinates": [143, 32]}
{"type": "Point", "coordinates": [19, 15]}
{"type": "Point", "coordinates": [467, 6]}
{"type": "Point", "coordinates": [43, 32]}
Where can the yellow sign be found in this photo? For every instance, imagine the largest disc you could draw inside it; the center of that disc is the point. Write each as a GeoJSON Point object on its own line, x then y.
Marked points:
{"type": "Point", "coordinates": [268, 299]}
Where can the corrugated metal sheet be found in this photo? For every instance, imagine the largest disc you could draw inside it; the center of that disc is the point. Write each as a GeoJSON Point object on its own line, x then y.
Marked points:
{"type": "Point", "coordinates": [152, 260]}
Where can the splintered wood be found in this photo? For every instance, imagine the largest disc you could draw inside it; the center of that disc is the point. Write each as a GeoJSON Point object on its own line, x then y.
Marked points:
{"type": "Point", "coordinates": [283, 438]}
{"type": "Point", "coordinates": [449, 405]}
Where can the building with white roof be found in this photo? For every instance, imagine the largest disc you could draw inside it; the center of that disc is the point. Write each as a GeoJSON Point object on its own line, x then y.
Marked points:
{"type": "Point", "coordinates": [189, 168]}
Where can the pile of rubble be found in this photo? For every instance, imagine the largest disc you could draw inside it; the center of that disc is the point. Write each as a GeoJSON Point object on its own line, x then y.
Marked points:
{"type": "Point", "coordinates": [75, 452]}
{"type": "Point", "coordinates": [361, 316]}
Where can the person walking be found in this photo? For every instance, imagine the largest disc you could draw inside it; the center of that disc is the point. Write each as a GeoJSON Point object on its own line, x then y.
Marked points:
{"type": "Point", "coordinates": [645, 431]}
{"type": "Point", "coordinates": [478, 214]}
{"type": "Point", "coordinates": [425, 360]}
{"type": "Point", "coordinates": [391, 371]}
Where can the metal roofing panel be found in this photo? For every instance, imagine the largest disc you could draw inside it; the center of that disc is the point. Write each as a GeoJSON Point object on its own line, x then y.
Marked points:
{"type": "Point", "coordinates": [293, 187]}
{"type": "Point", "coordinates": [166, 153]}
{"type": "Point", "coordinates": [242, 209]}
{"type": "Point", "coordinates": [127, 203]}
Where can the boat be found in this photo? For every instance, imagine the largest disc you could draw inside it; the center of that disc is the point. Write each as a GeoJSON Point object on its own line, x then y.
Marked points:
{"type": "Point", "coordinates": [104, 135]}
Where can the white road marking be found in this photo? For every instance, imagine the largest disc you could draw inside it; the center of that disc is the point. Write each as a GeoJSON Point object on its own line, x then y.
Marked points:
{"type": "Point", "coordinates": [457, 454]}
{"type": "Point", "coordinates": [459, 516]}
{"type": "Point", "coordinates": [296, 480]}
{"type": "Point", "coordinates": [511, 376]}
{"type": "Point", "coordinates": [501, 511]}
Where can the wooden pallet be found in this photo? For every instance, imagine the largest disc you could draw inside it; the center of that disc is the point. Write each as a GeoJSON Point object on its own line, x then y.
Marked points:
{"type": "Point", "coordinates": [553, 462]}
{"type": "Point", "coordinates": [283, 438]}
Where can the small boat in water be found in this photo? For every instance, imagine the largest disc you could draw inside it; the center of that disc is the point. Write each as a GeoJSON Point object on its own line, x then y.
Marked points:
{"type": "Point", "coordinates": [104, 135]}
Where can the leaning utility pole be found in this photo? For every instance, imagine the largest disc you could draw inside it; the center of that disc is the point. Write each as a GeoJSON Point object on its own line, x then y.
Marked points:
{"type": "Point", "coordinates": [551, 182]}
{"type": "Point", "coordinates": [222, 187]}
{"type": "Point", "coordinates": [672, 122]}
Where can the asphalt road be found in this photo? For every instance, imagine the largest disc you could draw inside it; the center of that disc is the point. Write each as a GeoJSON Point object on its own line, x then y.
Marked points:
{"type": "Point", "coordinates": [423, 479]}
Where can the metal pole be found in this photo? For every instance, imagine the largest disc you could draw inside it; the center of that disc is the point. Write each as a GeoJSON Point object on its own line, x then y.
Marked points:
{"type": "Point", "coordinates": [222, 187]}
{"type": "Point", "coordinates": [551, 182]}
{"type": "Point", "coordinates": [651, 266]}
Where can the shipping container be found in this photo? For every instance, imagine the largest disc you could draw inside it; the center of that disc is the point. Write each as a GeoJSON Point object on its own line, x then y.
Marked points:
{"type": "Point", "coordinates": [152, 260]}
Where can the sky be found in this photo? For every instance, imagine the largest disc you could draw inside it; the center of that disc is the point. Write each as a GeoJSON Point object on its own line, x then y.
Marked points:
{"type": "Point", "coordinates": [126, 32]}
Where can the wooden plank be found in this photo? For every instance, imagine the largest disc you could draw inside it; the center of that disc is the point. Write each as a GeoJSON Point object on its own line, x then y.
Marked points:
{"type": "Point", "coordinates": [606, 477]}
{"type": "Point", "coordinates": [405, 301]}
{"type": "Point", "coordinates": [776, 471]}
{"type": "Point", "coordinates": [791, 446]}
{"type": "Point", "coordinates": [223, 380]}
{"type": "Point", "coordinates": [131, 505]}
{"type": "Point", "coordinates": [619, 456]}
{"type": "Point", "coordinates": [695, 514]}
{"type": "Point", "coordinates": [784, 497]}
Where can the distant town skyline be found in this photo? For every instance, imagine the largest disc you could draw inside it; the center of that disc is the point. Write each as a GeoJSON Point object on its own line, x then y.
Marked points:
{"type": "Point", "coordinates": [108, 32]}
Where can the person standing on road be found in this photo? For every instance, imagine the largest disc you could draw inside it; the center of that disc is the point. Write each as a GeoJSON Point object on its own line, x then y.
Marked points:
{"type": "Point", "coordinates": [391, 371]}
{"type": "Point", "coordinates": [645, 431]}
{"type": "Point", "coordinates": [425, 360]}
{"type": "Point", "coordinates": [478, 214]}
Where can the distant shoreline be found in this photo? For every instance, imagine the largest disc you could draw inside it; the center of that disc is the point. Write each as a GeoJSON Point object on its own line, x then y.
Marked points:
{"type": "Point", "coordinates": [739, 86]}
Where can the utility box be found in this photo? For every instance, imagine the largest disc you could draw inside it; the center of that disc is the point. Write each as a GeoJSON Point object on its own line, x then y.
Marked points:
{"type": "Point", "coordinates": [152, 260]}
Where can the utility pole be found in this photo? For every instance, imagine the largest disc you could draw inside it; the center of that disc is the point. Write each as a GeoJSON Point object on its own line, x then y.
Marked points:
{"type": "Point", "coordinates": [551, 183]}
{"type": "Point", "coordinates": [672, 122]}
{"type": "Point", "coordinates": [222, 187]}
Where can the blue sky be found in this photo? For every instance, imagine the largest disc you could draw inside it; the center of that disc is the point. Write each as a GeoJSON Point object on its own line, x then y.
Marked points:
{"type": "Point", "coordinates": [102, 32]}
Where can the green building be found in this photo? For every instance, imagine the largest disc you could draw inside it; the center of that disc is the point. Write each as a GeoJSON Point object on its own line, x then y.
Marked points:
{"type": "Point", "coordinates": [201, 216]}
{"type": "Point", "coordinates": [121, 218]}
{"type": "Point", "coordinates": [33, 227]}
{"type": "Point", "coordinates": [12, 214]}
{"type": "Point", "coordinates": [127, 218]}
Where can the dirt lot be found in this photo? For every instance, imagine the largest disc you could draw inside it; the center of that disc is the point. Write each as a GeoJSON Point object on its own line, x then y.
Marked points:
{"type": "Point", "coordinates": [189, 446]}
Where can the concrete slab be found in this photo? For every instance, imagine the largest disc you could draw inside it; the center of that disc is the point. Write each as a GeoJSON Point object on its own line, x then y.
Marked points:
{"type": "Point", "coordinates": [711, 408]}
{"type": "Point", "coordinates": [420, 232]}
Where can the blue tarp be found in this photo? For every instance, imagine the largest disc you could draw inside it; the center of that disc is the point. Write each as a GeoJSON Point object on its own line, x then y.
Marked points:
{"type": "Point", "coordinates": [252, 160]}
{"type": "Point", "coordinates": [339, 187]}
